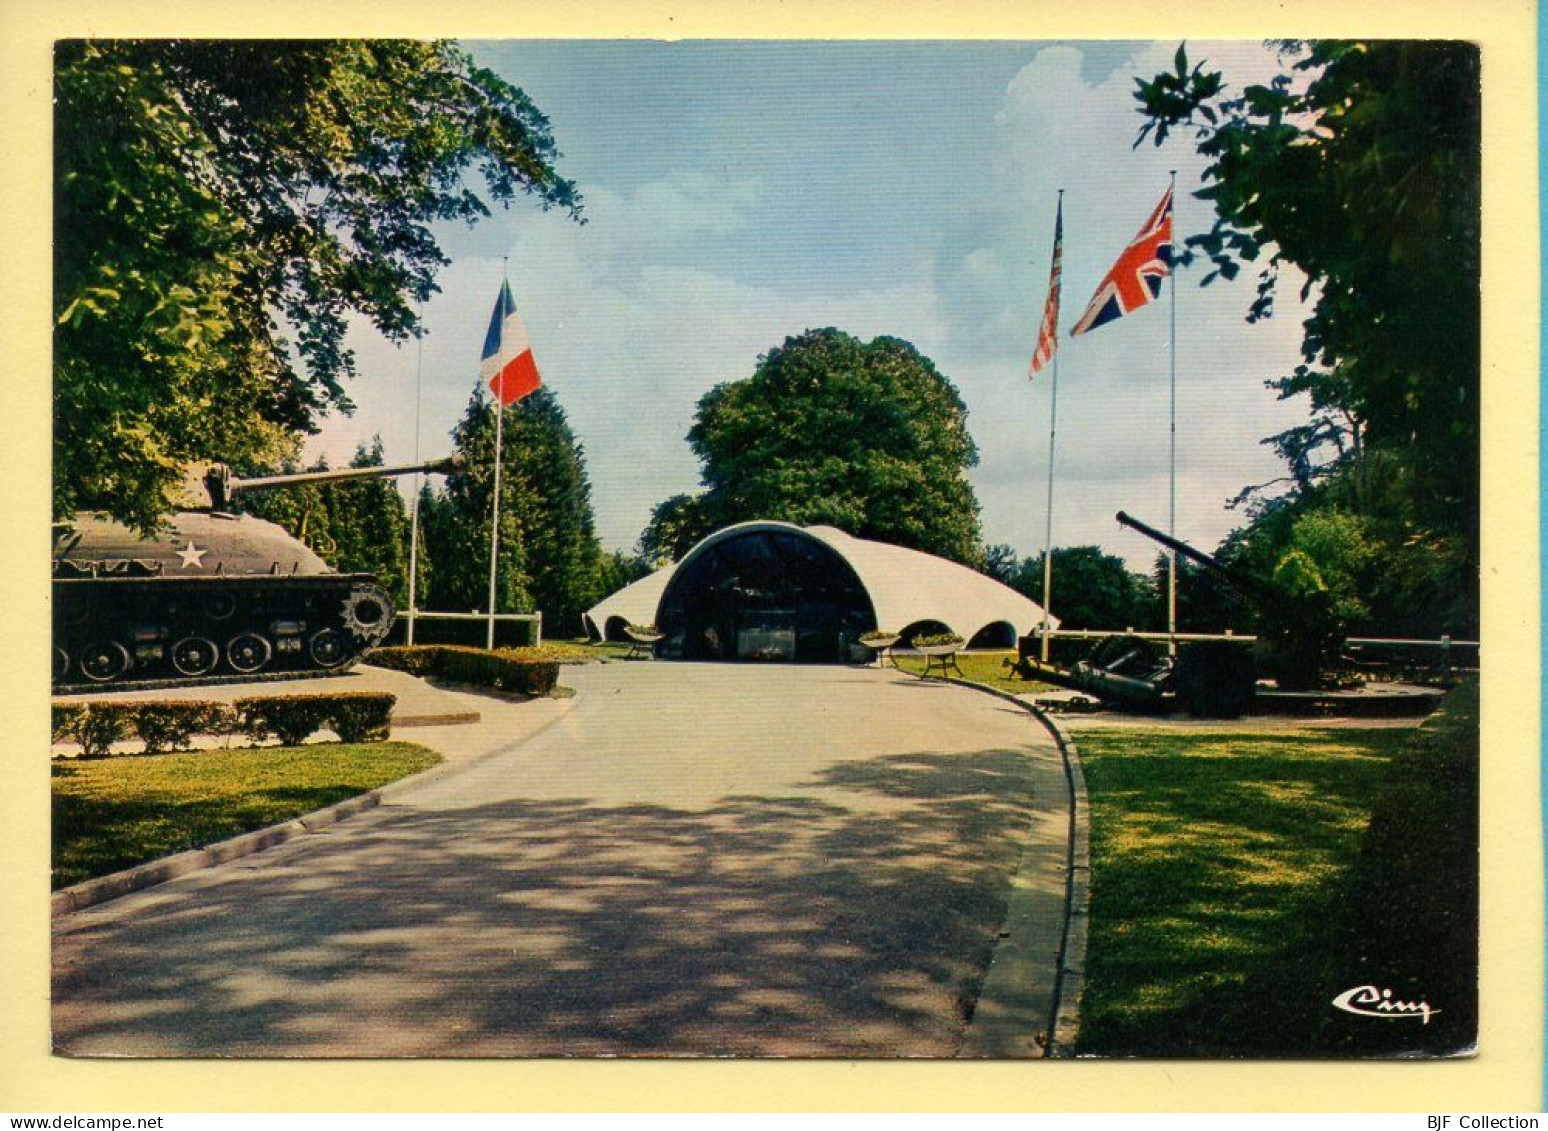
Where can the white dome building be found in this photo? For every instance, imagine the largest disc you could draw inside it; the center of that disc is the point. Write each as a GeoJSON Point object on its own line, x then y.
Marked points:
{"type": "Point", "coordinates": [774, 590]}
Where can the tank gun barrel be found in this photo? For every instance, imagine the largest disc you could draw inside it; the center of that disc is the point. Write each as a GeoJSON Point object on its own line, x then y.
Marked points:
{"type": "Point", "coordinates": [235, 486]}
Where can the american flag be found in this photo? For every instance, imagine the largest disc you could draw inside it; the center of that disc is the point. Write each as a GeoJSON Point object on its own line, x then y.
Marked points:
{"type": "Point", "coordinates": [1136, 278]}
{"type": "Point", "coordinates": [1048, 335]}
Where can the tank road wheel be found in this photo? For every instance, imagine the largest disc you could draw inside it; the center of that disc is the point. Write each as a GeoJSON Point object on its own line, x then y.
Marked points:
{"type": "Point", "coordinates": [194, 655]}
{"type": "Point", "coordinates": [61, 664]}
{"type": "Point", "coordinates": [329, 648]}
{"type": "Point", "coordinates": [104, 660]}
{"type": "Point", "coordinates": [248, 652]}
{"type": "Point", "coordinates": [219, 606]}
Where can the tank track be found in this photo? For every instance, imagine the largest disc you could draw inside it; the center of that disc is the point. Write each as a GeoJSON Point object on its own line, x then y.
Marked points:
{"type": "Point", "coordinates": [135, 632]}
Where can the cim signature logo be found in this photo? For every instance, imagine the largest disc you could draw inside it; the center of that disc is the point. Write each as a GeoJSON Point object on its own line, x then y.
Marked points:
{"type": "Point", "coordinates": [1368, 1001]}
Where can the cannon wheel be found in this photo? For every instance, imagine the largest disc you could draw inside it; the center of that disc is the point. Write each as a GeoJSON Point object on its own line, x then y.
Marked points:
{"type": "Point", "coordinates": [1125, 655]}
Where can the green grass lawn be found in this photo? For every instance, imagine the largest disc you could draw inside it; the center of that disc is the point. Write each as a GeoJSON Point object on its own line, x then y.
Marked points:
{"type": "Point", "coordinates": [989, 668]}
{"type": "Point", "coordinates": [113, 813]}
{"type": "Point", "coordinates": [1219, 866]}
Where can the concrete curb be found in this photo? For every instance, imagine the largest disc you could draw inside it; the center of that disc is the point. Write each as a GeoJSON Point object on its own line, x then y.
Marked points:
{"type": "Point", "coordinates": [1064, 1019]}
{"type": "Point", "coordinates": [1077, 924]}
{"type": "Point", "coordinates": [459, 719]}
{"type": "Point", "coordinates": [90, 893]}
{"type": "Point", "coordinates": [103, 888]}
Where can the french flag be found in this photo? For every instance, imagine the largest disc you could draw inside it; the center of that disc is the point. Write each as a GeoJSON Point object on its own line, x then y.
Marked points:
{"type": "Point", "coordinates": [507, 362]}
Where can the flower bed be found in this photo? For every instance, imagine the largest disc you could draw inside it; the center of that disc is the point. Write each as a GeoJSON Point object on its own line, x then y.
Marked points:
{"type": "Point", "coordinates": [939, 644]}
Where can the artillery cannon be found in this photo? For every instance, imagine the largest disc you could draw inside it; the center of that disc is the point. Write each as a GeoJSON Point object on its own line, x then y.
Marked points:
{"type": "Point", "coordinates": [1302, 637]}
{"type": "Point", "coordinates": [1208, 678]}
{"type": "Point", "coordinates": [212, 597]}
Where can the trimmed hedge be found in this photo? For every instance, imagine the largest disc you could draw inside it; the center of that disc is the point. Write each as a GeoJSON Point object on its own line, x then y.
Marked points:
{"type": "Point", "coordinates": [171, 724]}
{"type": "Point", "coordinates": [363, 717]}
{"type": "Point", "coordinates": [65, 717]}
{"type": "Point", "coordinates": [103, 724]}
{"type": "Point", "coordinates": [503, 669]}
{"type": "Point", "coordinates": [294, 718]}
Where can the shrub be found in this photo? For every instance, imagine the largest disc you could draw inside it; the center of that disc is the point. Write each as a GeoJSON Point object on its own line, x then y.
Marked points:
{"type": "Point", "coordinates": [100, 725]}
{"type": "Point", "coordinates": [557, 652]}
{"type": "Point", "coordinates": [355, 716]}
{"type": "Point", "coordinates": [362, 716]}
{"type": "Point", "coordinates": [414, 659]}
{"type": "Point", "coordinates": [171, 725]}
{"type": "Point", "coordinates": [502, 669]}
{"type": "Point", "coordinates": [498, 671]}
{"type": "Point", "coordinates": [290, 718]}
{"type": "Point", "coordinates": [65, 718]}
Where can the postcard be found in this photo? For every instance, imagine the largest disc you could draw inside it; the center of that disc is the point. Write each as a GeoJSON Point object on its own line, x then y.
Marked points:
{"type": "Point", "coordinates": [828, 549]}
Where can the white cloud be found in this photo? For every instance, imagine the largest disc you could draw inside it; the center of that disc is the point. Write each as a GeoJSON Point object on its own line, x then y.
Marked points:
{"type": "Point", "coordinates": [629, 343]}
{"type": "Point", "coordinates": [1060, 131]}
{"type": "Point", "coordinates": [637, 313]}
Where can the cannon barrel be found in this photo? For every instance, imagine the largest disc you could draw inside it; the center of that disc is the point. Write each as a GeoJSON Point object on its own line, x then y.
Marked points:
{"type": "Point", "coordinates": [1248, 587]}
{"type": "Point", "coordinates": [235, 486]}
{"type": "Point", "coordinates": [220, 486]}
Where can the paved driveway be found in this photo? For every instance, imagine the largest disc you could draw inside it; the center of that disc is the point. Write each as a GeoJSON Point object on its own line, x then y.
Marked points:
{"type": "Point", "coordinates": [695, 859]}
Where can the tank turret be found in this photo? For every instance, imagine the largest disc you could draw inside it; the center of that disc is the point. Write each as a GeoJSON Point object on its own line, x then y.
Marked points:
{"type": "Point", "coordinates": [211, 597]}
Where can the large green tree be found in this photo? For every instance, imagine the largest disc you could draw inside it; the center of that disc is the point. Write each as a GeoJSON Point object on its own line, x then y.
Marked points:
{"type": "Point", "coordinates": [223, 209]}
{"type": "Point", "coordinates": [550, 558]}
{"type": "Point", "coordinates": [1360, 166]}
{"type": "Point", "coordinates": [866, 436]}
{"type": "Point", "coordinates": [370, 526]}
{"type": "Point", "coordinates": [1090, 589]}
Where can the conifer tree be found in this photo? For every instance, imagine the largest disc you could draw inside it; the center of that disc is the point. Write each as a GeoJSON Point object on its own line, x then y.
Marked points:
{"type": "Point", "coordinates": [550, 559]}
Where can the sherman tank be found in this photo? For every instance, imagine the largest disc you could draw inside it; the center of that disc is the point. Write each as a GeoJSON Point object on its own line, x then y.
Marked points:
{"type": "Point", "coordinates": [214, 597]}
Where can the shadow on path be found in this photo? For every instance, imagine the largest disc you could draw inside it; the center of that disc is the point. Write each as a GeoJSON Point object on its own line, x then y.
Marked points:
{"type": "Point", "coordinates": [854, 917]}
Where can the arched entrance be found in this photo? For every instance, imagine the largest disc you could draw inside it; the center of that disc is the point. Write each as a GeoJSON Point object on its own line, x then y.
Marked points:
{"type": "Point", "coordinates": [765, 595]}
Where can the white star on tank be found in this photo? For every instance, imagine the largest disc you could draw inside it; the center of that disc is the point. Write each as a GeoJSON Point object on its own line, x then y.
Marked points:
{"type": "Point", "coordinates": [192, 556]}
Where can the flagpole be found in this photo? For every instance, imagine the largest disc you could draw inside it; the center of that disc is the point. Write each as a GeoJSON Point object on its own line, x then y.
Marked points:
{"type": "Point", "coordinates": [1053, 420]}
{"type": "Point", "coordinates": [1053, 416]}
{"type": "Point", "coordinates": [1171, 529]}
{"type": "Point", "coordinates": [413, 578]}
{"type": "Point", "coordinates": [494, 529]}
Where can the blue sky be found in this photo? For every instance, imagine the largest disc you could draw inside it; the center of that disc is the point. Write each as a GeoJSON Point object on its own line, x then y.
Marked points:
{"type": "Point", "coordinates": [737, 193]}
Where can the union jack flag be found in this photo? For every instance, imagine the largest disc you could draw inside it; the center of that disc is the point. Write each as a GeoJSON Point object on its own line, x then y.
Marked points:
{"type": "Point", "coordinates": [1136, 278]}
{"type": "Point", "coordinates": [1048, 334]}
